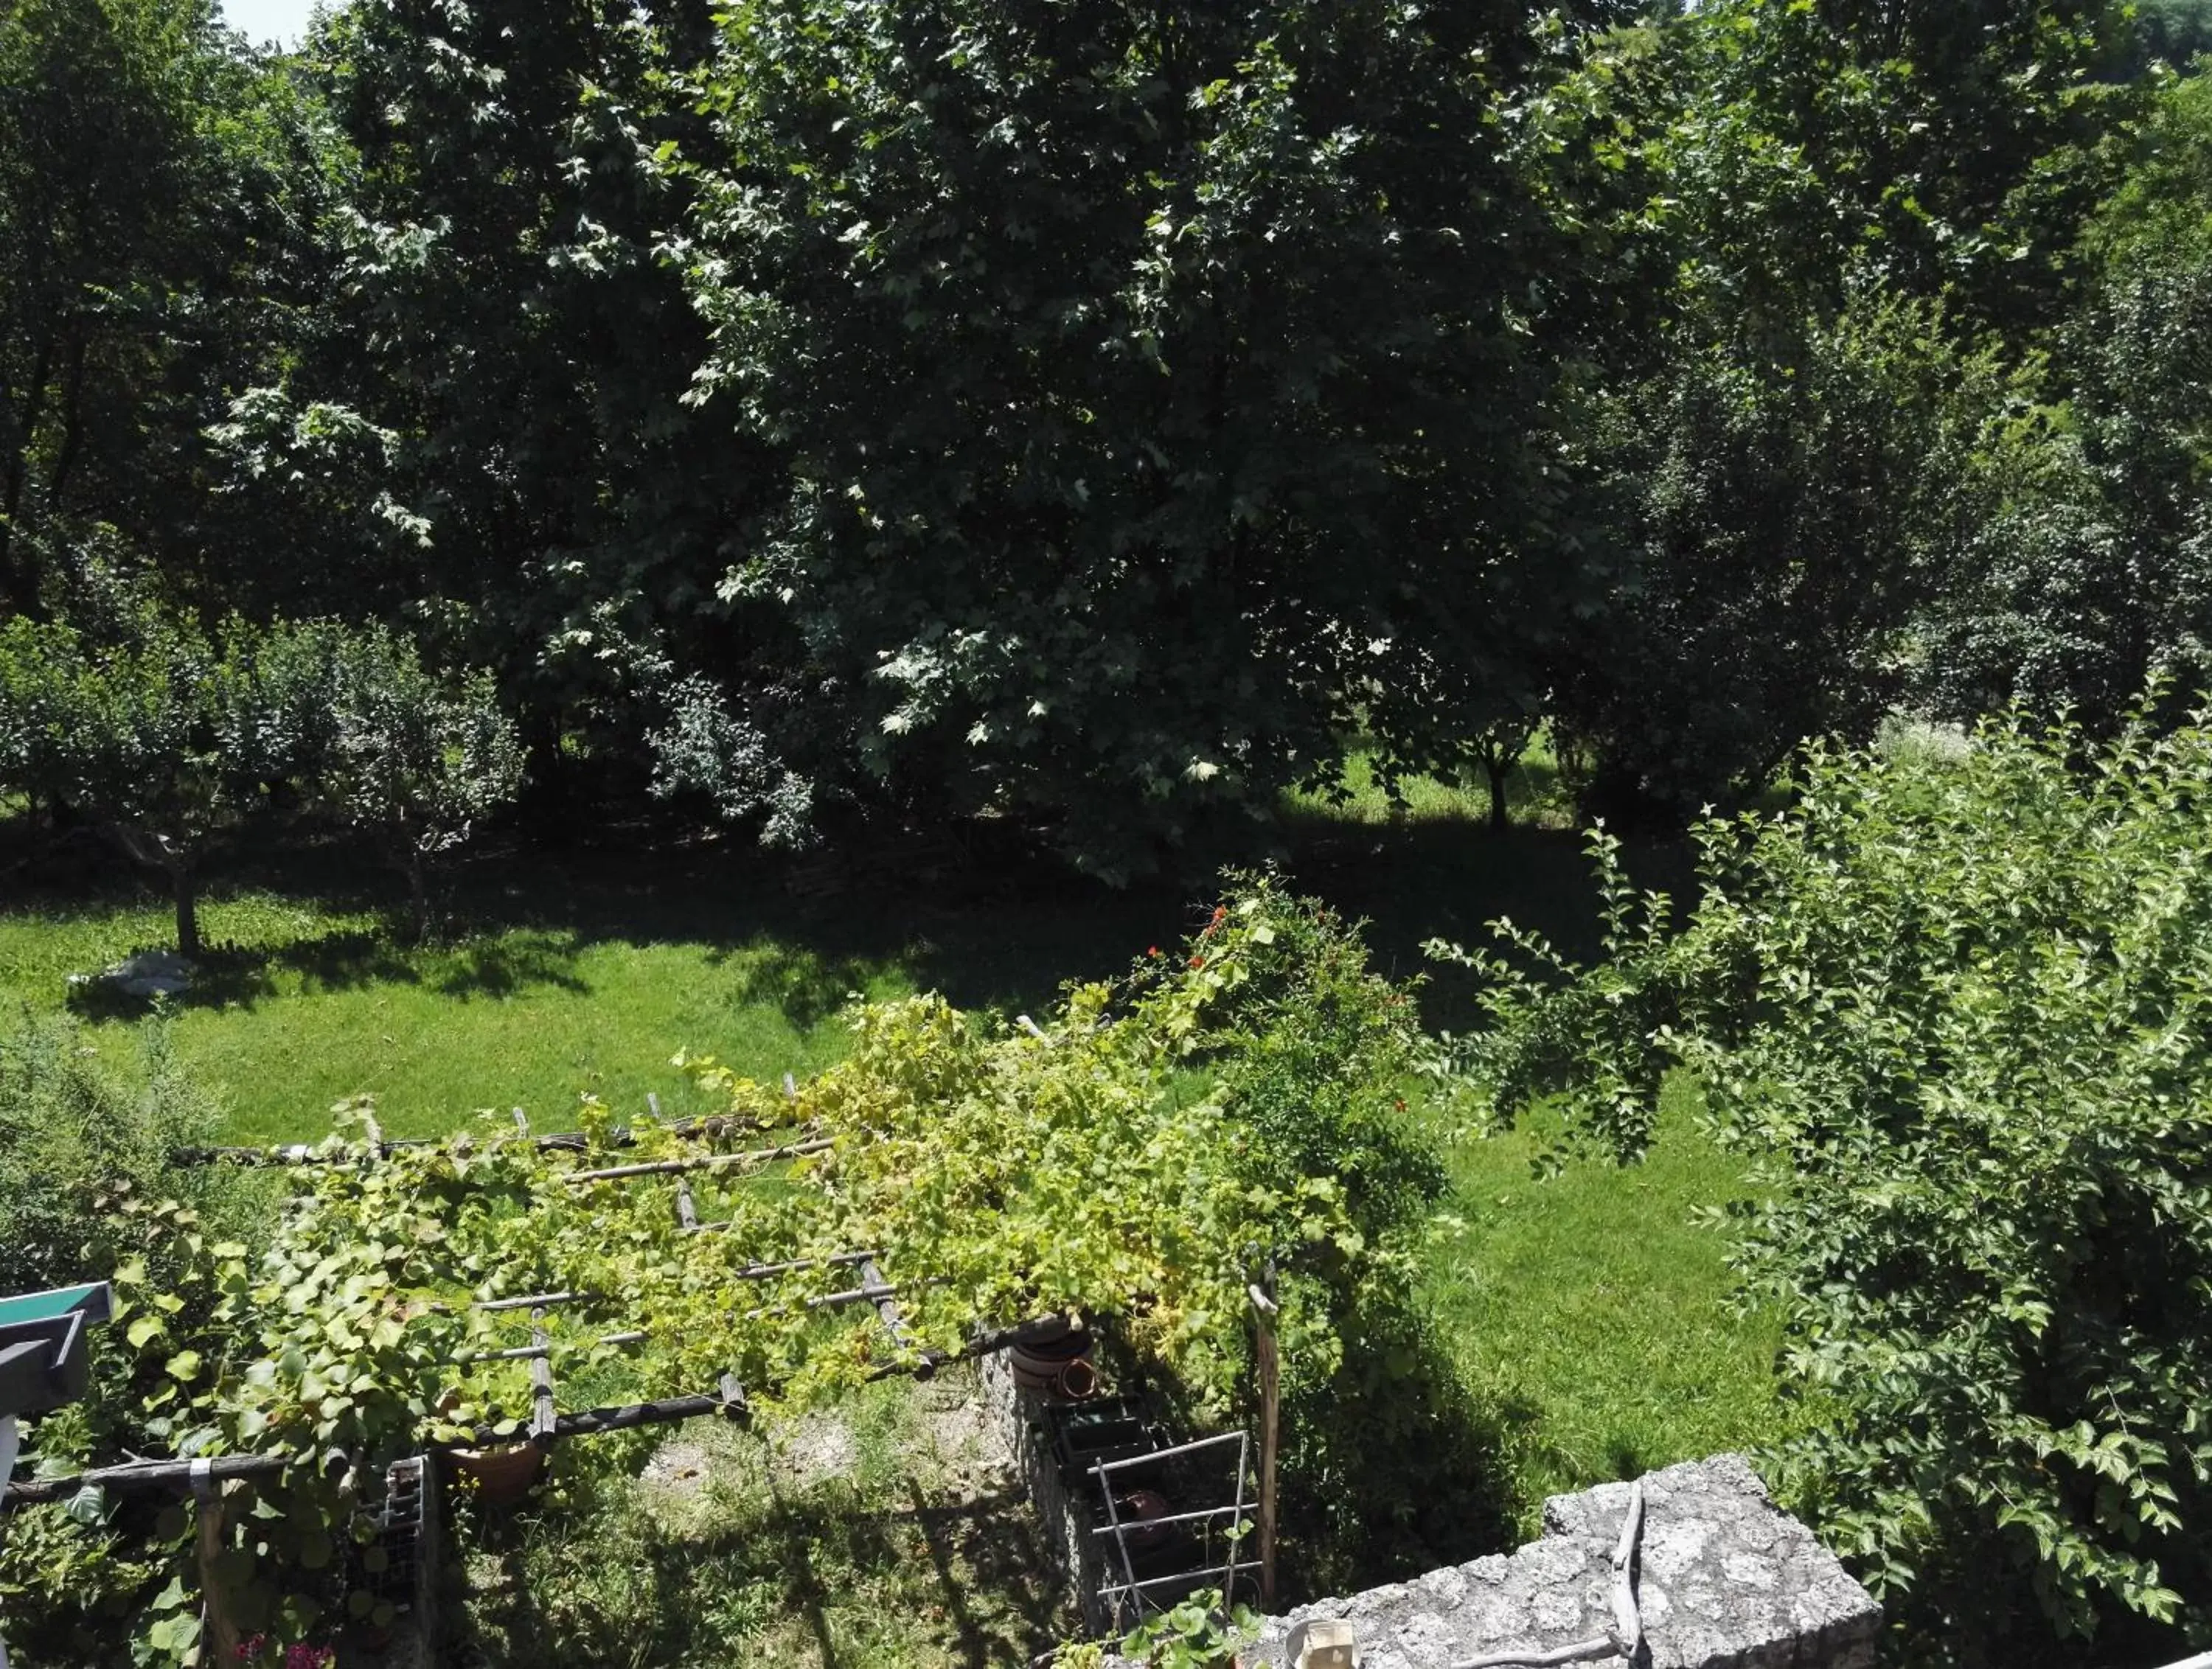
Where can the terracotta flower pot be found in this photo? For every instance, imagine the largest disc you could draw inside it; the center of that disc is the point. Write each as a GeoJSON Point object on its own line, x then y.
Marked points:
{"type": "Point", "coordinates": [502, 1472]}
{"type": "Point", "coordinates": [1077, 1380]}
{"type": "Point", "coordinates": [1038, 1367]}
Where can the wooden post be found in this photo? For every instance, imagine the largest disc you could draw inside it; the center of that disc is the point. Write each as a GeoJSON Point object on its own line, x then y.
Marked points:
{"type": "Point", "coordinates": [218, 1633]}
{"type": "Point", "coordinates": [1264, 1309]}
{"type": "Point", "coordinates": [544, 1423]}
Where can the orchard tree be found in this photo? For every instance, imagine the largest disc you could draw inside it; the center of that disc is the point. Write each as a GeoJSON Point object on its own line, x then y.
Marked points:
{"type": "Point", "coordinates": [174, 738]}
{"type": "Point", "coordinates": [164, 743]}
{"type": "Point", "coordinates": [414, 760]}
{"type": "Point", "coordinates": [1498, 749]}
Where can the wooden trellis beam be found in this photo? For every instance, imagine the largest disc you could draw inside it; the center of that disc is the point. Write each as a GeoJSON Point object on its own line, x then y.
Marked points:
{"type": "Point", "coordinates": [704, 1161]}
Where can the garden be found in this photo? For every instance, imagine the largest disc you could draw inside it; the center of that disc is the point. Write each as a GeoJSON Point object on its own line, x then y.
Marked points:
{"type": "Point", "coordinates": [1466, 739]}
{"type": "Point", "coordinates": [1507, 1314]}
{"type": "Point", "coordinates": [1681, 1186]}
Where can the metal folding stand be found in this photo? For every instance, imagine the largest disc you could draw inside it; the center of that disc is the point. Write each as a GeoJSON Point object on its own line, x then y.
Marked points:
{"type": "Point", "coordinates": [1128, 1599]}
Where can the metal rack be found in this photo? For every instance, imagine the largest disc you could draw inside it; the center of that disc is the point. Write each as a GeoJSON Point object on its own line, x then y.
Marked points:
{"type": "Point", "coordinates": [1127, 1599]}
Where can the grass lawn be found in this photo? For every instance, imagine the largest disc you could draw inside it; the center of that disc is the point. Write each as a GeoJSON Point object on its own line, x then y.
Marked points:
{"type": "Point", "coordinates": [1589, 1314]}
{"type": "Point", "coordinates": [560, 975]}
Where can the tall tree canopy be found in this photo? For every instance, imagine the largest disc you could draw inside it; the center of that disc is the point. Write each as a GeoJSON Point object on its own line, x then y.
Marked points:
{"type": "Point", "coordinates": [1159, 393]}
{"type": "Point", "coordinates": [158, 196]}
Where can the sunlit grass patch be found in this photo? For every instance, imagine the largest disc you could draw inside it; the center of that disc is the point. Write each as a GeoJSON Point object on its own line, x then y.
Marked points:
{"type": "Point", "coordinates": [1593, 1318]}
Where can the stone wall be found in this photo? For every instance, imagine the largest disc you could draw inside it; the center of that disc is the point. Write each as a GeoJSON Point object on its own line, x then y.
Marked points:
{"type": "Point", "coordinates": [1726, 1579]}
{"type": "Point", "coordinates": [1078, 1557]}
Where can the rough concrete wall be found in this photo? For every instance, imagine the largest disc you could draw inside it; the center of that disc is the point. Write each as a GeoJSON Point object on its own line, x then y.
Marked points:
{"type": "Point", "coordinates": [1078, 1556]}
{"type": "Point", "coordinates": [1726, 1581]}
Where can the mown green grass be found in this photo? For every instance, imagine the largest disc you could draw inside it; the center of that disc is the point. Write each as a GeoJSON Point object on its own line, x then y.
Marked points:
{"type": "Point", "coordinates": [310, 1007]}
{"type": "Point", "coordinates": [1534, 795]}
{"type": "Point", "coordinates": [557, 975]}
{"type": "Point", "coordinates": [1591, 1315]}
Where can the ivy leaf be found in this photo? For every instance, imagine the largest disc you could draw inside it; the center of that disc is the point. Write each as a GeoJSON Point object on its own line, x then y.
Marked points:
{"type": "Point", "coordinates": [88, 1506]}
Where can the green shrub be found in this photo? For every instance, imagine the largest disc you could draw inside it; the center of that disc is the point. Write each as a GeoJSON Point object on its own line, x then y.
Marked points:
{"type": "Point", "coordinates": [82, 1139]}
{"type": "Point", "coordinates": [1960, 1010]}
{"type": "Point", "coordinates": [75, 1131]}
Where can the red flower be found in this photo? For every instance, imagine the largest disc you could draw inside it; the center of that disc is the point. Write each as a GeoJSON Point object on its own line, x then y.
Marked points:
{"type": "Point", "coordinates": [1198, 961]}
{"type": "Point", "coordinates": [1154, 951]}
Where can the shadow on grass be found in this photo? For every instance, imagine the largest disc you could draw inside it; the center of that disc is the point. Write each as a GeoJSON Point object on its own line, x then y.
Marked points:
{"type": "Point", "coordinates": [510, 964]}
{"type": "Point", "coordinates": [233, 975]}
{"type": "Point", "coordinates": [804, 986]}
{"type": "Point", "coordinates": [227, 975]}
{"type": "Point", "coordinates": [1413, 1474]}
{"type": "Point", "coordinates": [767, 1574]}
{"type": "Point", "coordinates": [1449, 879]}
{"type": "Point", "coordinates": [1007, 931]}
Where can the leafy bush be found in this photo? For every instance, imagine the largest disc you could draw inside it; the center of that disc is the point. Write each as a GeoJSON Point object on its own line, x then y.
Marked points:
{"type": "Point", "coordinates": [1961, 1009]}
{"type": "Point", "coordinates": [75, 1135]}
{"type": "Point", "coordinates": [413, 759]}
{"type": "Point", "coordinates": [1198, 1633]}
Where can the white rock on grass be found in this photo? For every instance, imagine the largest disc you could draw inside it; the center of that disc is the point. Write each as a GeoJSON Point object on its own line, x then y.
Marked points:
{"type": "Point", "coordinates": [148, 974]}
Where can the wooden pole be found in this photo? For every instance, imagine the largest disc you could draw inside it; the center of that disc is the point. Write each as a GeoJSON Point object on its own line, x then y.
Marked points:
{"type": "Point", "coordinates": [218, 1633]}
{"type": "Point", "coordinates": [1264, 1309]}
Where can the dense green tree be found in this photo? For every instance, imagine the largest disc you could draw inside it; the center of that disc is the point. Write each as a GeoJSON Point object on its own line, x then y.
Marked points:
{"type": "Point", "coordinates": [2088, 565]}
{"type": "Point", "coordinates": [1855, 220]}
{"type": "Point", "coordinates": [1161, 392]}
{"type": "Point", "coordinates": [2172, 31]}
{"type": "Point", "coordinates": [157, 196]}
{"type": "Point", "coordinates": [1788, 526]}
{"type": "Point", "coordinates": [487, 418]}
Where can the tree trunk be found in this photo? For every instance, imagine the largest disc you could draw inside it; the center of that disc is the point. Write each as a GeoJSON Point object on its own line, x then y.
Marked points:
{"type": "Point", "coordinates": [186, 887]}
{"type": "Point", "coordinates": [418, 895]}
{"type": "Point", "coordinates": [1496, 769]}
{"type": "Point", "coordinates": [19, 572]}
{"type": "Point", "coordinates": [72, 426]}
